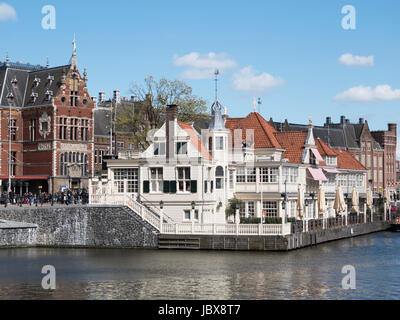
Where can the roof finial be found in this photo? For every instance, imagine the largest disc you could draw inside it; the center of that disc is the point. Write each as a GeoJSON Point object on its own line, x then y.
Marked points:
{"type": "Point", "coordinates": [7, 58]}
{"type": "Point", "coordinates": [216, 73]}
{"type": "Point", "coordinates": [310, 125]}
{"type": "Point", "coordinates": [73, 58]}
{"type": "Point", "coordinates": [47, 63]}
{"type": "Point", "coordinates": [74, 46]}
{"type": "Point", "coordinates": [255, 105]}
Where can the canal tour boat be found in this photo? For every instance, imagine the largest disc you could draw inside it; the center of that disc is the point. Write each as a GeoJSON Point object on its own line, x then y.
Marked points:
{"type": "Point", "coordinates": [395, 225]}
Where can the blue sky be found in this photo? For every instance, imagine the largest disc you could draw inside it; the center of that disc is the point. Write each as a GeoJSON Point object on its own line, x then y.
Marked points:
{"type": "Point", "coordinates": [288, 50]}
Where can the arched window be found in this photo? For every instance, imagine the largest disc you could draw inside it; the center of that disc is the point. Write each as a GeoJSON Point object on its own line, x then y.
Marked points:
{"type": "Point", "coordinates": [219, 178]}
{"type": "Point", "coordinates": [70, 157]}
{"type": "Point", "coordinates": [210, 145]}
{"type": "Point", "coordinates": [73, 157]}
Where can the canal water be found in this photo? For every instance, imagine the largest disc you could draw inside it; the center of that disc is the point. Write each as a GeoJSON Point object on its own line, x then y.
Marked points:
{"type": "Point", "coordinates": [311, 273]}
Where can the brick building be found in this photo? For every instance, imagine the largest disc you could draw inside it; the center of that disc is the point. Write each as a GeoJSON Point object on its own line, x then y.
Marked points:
{"type": "Point", "coordinates": [51, 127]}
{"type": "Point", "coordinates": [123, 137]}
{"type": "Point", "coordinates": [376, 150]}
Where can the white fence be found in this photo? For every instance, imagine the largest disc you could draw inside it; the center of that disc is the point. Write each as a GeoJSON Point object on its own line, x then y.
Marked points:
{"type": "Point", "coordinates": [227, 229]}
{"type": "Point", "coordinates": [189, 228]}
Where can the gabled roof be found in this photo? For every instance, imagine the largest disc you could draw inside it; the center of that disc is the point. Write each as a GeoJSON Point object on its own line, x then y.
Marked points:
{"type": "Point", "coordinates": [195, 139]}
{"type": "Point", "coordinates": [324, 149]}
{"type": "Point", "coordinates": [293, 143]}
{"type": "Point", "coordinates": [347, 161]}
{"type": "Point", "coordinates": [25, 76]}
{"type": "Point", "coordinates": [263, 132]}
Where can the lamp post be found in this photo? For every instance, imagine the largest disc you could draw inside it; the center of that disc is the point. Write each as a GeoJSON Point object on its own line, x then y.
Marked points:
{"type": "Point", "coordinates": [10, 99]}
{"type": "Point", "coordinates": [192, 215]}
{"type": "Point", "coordinates": [161, 215]}
{"type": "Point", "coordinates": [312, 195]}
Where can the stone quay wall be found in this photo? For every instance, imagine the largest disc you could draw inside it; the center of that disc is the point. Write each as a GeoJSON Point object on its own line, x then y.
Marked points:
{"type": "Point", "coordinates": [78, 226]}
{"type": "Point", "coordinates": [268, 243]}
{"type": "Point", "coordinates": [17, 234]}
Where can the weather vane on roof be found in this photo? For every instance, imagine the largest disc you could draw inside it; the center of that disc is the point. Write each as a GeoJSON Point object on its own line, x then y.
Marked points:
{"type": "Point", "coordinates": [216, 73]}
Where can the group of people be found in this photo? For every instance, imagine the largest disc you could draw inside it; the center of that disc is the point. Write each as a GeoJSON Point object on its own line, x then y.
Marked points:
{"type": "Point", "coordinates": [64, 197]}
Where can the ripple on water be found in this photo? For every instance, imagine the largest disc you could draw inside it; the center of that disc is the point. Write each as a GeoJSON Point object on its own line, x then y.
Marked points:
{"type": "Point", "coordinates": [312, 273]}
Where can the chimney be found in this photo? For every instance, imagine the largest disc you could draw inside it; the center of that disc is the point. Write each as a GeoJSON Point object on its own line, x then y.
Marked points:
{"type": "Point", "coordinates": [392, 127]}
{"type": "Point", "coordinates": [342, 120]}
{"type": "Point", "coordinates": [94, 99]}
{"type": "Point", "coordinates": [347, 121]}
{"type": "Point", "coordinates": [172, 116]}
{"type": "Point", "coordinates": [361, 121]}
{"type": "Point", "coordinates": [117, 96]}
{"type": "Point", "coordinates": [102, 97]}
{"type": "Point", "coordinates": [328, 121]}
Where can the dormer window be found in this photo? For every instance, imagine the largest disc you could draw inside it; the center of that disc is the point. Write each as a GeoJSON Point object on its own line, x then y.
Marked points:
{"type": "Point", "coordinates": [49, 95]}
{"type": "Point", "coordinates": [313, 160]}
{"type": "Point", "coordinates": [10, 97]}
{"type": "Point", "coordinates": [34, 97]}
{"type": "Point", "coordinates": [36, 82]}
{"type": "Point", "coordinates": [14, 82]}
{"type": "Point", "coordinates": [50, 79]}
{"type": "Point", "coordinates": [331, 161]}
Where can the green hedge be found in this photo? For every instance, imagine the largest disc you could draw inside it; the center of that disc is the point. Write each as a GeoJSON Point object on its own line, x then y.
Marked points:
{"type": "Point", "coordinates": [267, 220]}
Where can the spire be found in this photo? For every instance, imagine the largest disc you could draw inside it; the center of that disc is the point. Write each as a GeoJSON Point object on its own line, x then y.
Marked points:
{"type": "Point", "coordinates": [217, 120]}
{"type": "Point", "coordinates": [216, 73]}
{"type": "Point", "coordinates": [73, 62]}
{"type": "Point", "coordinates": [47, 63]}
{"type": "Point", "coordinates": [7, 59]}
{"type": "Point", "coordinates": [255, 105]}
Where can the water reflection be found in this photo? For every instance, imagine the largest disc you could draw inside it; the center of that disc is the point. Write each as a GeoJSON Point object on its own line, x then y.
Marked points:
{"type": "Point", "coordinates": [312, 273]}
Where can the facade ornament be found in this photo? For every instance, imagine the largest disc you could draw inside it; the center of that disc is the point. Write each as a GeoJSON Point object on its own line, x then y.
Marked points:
{"type": "Point", "coordinates": [44, 125]}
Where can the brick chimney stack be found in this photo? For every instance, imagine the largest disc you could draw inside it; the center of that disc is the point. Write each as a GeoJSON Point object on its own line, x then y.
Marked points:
{"type": "Point", "coordinates": [172, 116]}
{"type": "Point", "coordinates": [393, 127]}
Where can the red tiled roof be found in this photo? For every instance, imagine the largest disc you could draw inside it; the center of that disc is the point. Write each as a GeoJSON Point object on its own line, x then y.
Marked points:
{"type": "Point", "coordinates": [347, 161]}
{"type": "Point", "coordinates": [263, 132]}
{"type": "Point", "coordinates": [324, 149]}
{"type": "Point", "coordinates": [194, 138]}
{"type": "Point", "coordinates": [293, 143]}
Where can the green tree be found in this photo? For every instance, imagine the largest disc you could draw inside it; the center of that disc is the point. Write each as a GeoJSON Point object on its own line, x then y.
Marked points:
{"type": "Point", "coordinates": [157, 95]}
{"type": "Point", "coordinates": [231, 207]}
{"type": "Point", "coordinates": [149, 112]}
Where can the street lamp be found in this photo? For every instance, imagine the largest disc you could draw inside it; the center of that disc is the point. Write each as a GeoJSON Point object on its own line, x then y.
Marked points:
{"type": "Point", "coordinates": [193, 205]}
{"type": "Point", "coordinates": [161, 204]}
{"type": "Point", "coordinates": [10, 99]}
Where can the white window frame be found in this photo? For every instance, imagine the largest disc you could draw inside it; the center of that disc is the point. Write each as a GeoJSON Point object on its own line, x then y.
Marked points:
{"type": "Point", "coordinates": [156, 181]}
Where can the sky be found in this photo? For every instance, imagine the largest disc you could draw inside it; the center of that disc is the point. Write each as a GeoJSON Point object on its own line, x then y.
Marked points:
{"type": "Point", "coordinates": [304, 59]}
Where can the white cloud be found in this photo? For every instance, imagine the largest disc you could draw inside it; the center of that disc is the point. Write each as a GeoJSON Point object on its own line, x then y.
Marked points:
{"type": "Point", "coordinates": [356, 61]}
{"type": "Point", "coordinates": [7, 12]}
{"type": "Point", "coordinates": [369, 94]}
{"type": "Point", "coordinates": [202, 66]}
{"type": "Point", "coordinates": [247, 79]}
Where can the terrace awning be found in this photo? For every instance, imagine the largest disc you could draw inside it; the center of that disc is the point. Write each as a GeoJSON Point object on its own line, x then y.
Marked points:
{"type": "Point", "coordinates": [329, 170]}
{"type": "Point", "coordinates": [317, 174]}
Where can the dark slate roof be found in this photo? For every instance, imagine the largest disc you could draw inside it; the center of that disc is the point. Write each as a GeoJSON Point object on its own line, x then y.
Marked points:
{"type": "Point", "coordinates": [101, 122]}
{"type": "Point", "coordinates": [44, 84]}
{"type": "Point", "coordinates": [340, 136]}
{"type": "Point", "coordinates": [25, 75]}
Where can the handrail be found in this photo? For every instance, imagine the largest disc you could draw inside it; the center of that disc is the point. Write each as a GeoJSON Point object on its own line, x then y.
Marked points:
{"type": "Point", "coordinates": [155, 209]}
